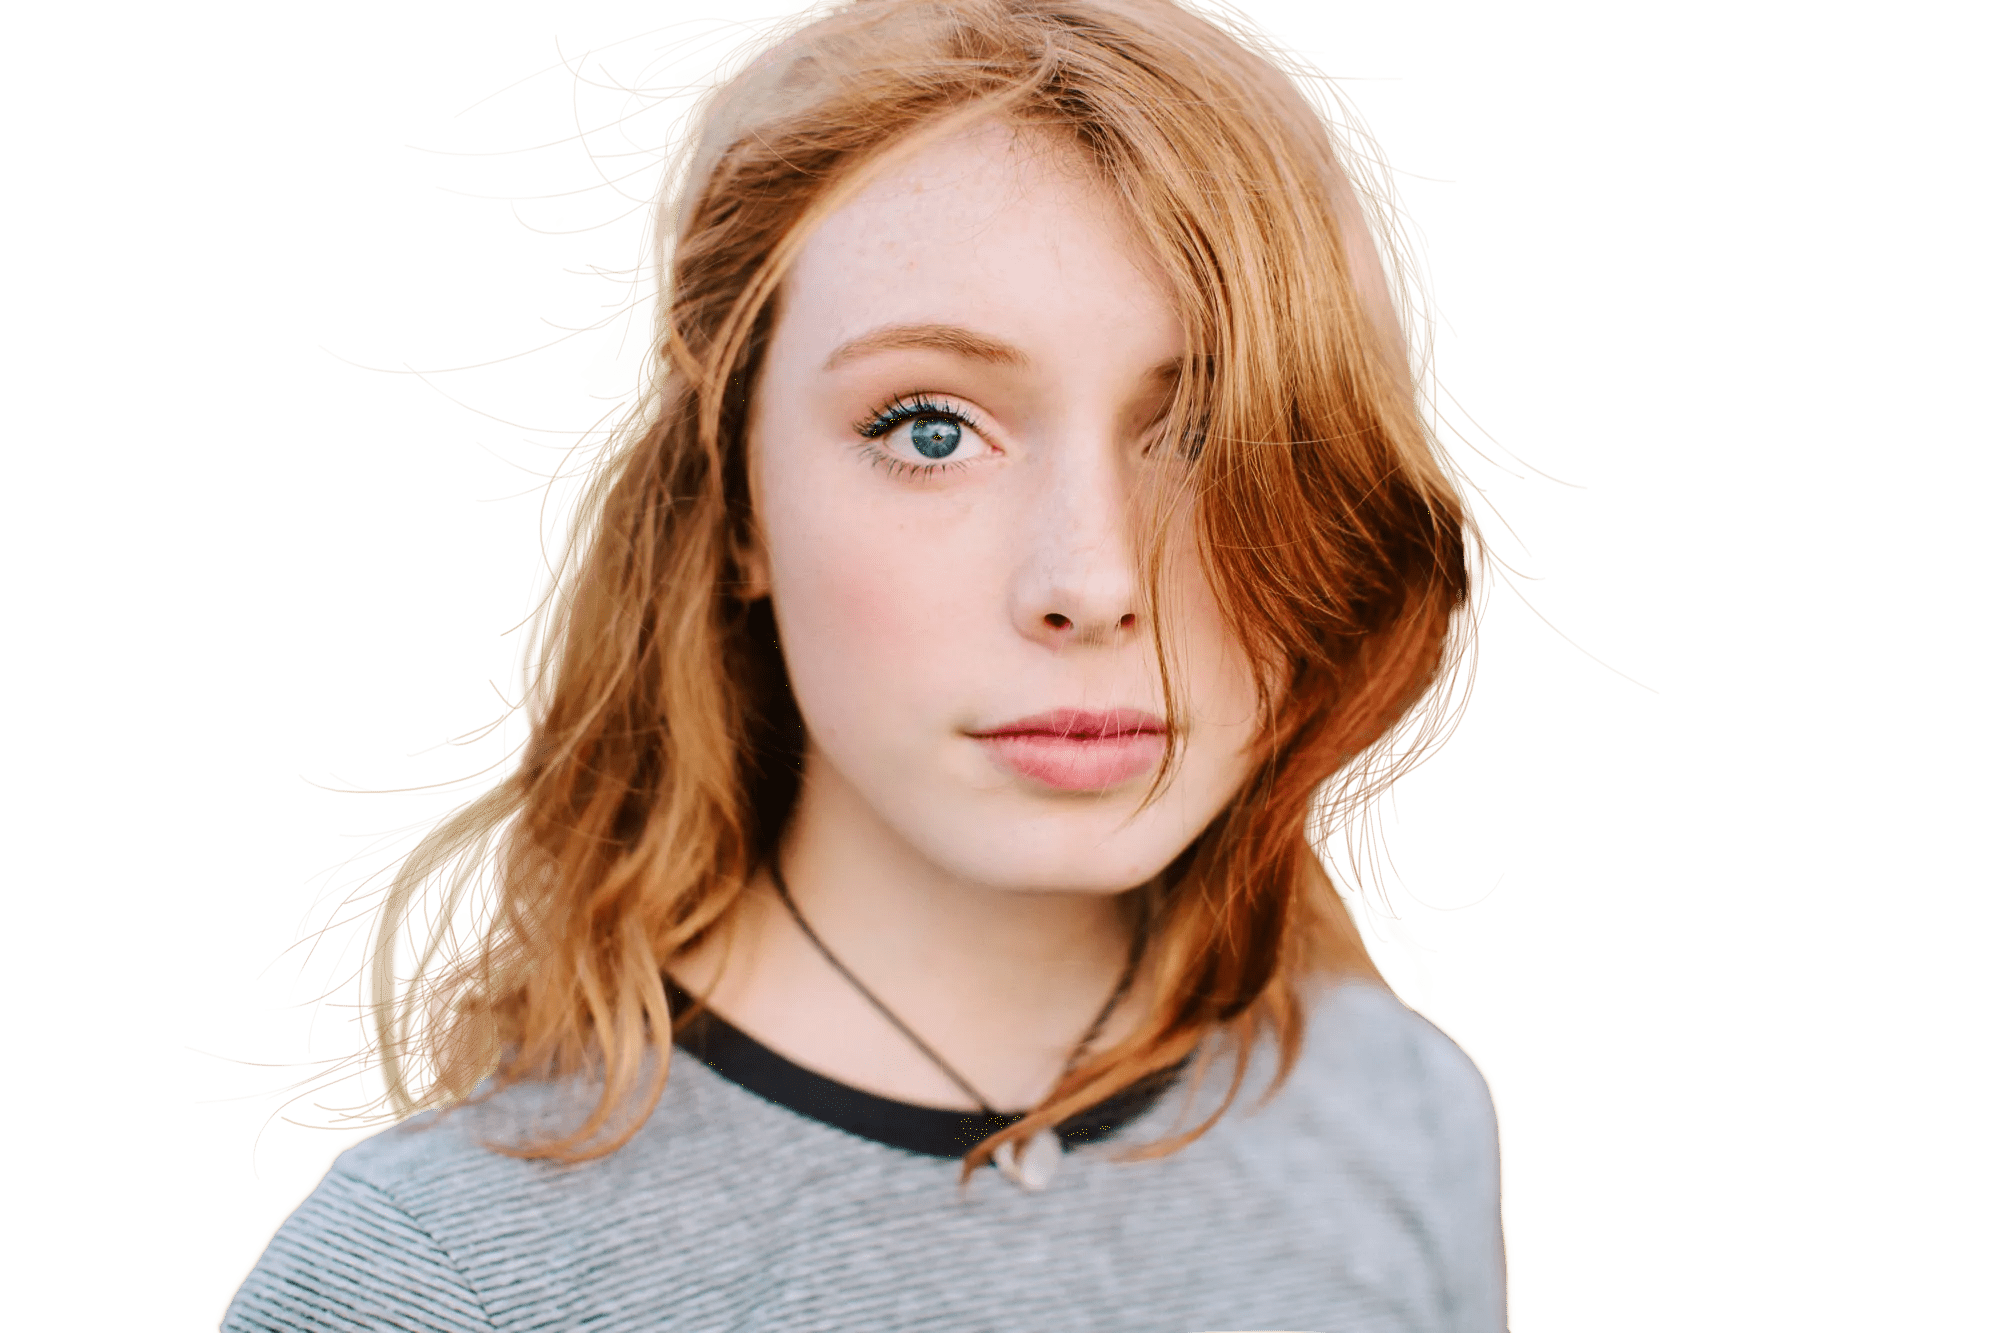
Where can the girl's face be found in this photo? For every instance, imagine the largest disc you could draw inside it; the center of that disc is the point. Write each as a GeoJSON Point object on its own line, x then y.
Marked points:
{"type": "Point", "coordinates": [958, 406]}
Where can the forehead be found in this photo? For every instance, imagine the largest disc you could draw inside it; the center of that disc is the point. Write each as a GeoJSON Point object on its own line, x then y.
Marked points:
{"type": "Point", "coordinates": [1002, 230]}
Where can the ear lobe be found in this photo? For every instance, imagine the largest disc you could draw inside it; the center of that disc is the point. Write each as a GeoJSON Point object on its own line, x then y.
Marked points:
{"type": "Point", "coordinates": [751, 564]}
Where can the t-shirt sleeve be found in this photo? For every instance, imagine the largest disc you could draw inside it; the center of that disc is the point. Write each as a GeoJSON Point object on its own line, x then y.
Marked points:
{"type": "Point", "coordinates": [350, 1258]}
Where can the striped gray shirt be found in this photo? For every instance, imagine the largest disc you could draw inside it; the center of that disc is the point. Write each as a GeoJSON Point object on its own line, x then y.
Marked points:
{"type": "Point", "coordinates": [1364, 1197]}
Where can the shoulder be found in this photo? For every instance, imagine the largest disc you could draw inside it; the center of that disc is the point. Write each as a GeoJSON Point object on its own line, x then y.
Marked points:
{"type": "Point", "coordinates": [1365, 1044]}
{"type": "Point", "coordinates": [437, 1206]}
{"type": "Point", "coordinates": [398, 1233]}
{"type": "Point", "coordinates": [354, 1256]}
{"type": "Point", "coordinates": [412, 1161]}
{"type": "Point", "coordinates": [1374, 1074]}
{"type": "Point", "coordinates": [1408, 1116]}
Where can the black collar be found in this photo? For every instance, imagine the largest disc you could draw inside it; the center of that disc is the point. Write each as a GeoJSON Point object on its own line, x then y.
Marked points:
{"type": "Point", "coordinates": [929, 1130]}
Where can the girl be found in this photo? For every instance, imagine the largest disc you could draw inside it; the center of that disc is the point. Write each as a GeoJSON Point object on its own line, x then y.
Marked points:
{"type": "Point", "coordinates": [1031, 526]}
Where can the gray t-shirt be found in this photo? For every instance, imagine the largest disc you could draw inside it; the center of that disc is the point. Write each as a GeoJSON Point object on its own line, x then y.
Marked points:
{"type": "Point", "coordinates": [1364, 1197]}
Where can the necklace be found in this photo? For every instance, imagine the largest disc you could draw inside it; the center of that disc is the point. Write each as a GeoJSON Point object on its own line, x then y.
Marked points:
{"type": "Point", "coordinates": [1031, 1167]}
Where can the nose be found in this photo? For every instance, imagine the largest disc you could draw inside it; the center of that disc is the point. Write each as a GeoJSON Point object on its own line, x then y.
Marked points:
{"type": "Point", "coordinates": [1077, 581]}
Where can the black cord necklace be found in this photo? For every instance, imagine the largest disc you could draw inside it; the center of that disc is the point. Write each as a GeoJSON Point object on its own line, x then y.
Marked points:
{"type": "Point", "coordinates": [1031, 1167]}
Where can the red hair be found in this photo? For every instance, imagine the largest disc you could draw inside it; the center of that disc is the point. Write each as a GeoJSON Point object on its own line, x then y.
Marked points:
{"type": "Point", "coordinates": [659, 743]}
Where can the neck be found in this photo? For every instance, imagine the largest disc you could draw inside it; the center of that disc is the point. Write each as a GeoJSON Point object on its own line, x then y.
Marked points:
{"type": "Point", "coordinates": [1000, 982]}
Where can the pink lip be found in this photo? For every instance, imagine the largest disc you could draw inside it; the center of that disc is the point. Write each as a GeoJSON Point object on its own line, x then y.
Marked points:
{"type": "Point", "coordinates": [1071, 749]}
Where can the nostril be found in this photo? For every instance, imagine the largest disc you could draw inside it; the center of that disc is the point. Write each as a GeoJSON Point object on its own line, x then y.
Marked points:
{"type": "Point", "coordinates": [1128, 620]}
{"type": "Point", "coordinates": [1055, 621]}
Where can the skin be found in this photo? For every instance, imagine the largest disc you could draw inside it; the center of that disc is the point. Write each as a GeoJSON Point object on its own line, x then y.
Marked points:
{"type": "Point", "coordinates": [921, 602]}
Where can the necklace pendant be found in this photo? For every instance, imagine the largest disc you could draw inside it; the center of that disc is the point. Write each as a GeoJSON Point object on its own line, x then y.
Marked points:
{"type": "Point", "coordinates": [1031, 1167]}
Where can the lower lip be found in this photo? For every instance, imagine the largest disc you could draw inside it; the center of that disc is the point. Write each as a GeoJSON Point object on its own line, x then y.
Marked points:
{"type": "Point", "coordinates": [1068, 763]}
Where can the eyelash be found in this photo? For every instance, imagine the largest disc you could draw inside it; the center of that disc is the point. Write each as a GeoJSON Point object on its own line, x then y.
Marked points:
{"type": "Point", "coordinates": [909, 407]}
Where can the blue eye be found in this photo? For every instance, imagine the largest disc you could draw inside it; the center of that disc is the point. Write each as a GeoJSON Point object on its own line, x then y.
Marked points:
{"type": "Point", "coordinates": [940, 435]}
{"type": "Point", "coordinates": [935, 437]}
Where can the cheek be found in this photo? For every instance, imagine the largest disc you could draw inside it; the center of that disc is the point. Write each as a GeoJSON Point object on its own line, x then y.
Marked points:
{"type": "Point", "coordinates": [1223, 735]}
{"type": "Point", "coordinates": [1224, 689]}
{"type": "Point", "coordinates": [1215, 679]}
{"type": "Point", "coordinates": [873, 611]}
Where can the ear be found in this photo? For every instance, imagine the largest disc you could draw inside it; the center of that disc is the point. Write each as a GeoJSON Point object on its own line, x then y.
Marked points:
{"type": "Point", "coordinates": [749, 562]}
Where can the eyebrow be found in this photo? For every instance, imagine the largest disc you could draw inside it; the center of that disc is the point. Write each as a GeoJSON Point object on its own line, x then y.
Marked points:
{"type": "Point", "coordinates": [958, 341]}
{"type": "Point", "coordinates": [948, 338]}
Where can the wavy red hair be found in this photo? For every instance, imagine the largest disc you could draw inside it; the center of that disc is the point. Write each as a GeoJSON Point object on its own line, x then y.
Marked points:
{"type": "Point", "coordinates": [665, 745]}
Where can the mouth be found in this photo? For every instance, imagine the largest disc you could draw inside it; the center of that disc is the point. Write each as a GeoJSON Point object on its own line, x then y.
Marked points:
{"type": "Point", "coordinates": [1072, 749]}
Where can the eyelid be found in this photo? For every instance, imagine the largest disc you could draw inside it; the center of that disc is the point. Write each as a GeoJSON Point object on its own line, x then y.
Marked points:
{"type": "Point", "coordinates": [908, 406]}
{"type": "Point", "coordinates": [900, 411]}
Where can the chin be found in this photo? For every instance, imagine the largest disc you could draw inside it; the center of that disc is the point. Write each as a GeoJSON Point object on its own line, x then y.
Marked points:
{"type": "Point", "coordinates": [1096, 850]}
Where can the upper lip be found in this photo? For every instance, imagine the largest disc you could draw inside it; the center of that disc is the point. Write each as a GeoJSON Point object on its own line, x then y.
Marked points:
{"type": "Point", "coordinates": [1082, 724]}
